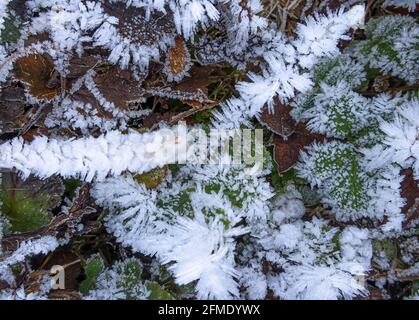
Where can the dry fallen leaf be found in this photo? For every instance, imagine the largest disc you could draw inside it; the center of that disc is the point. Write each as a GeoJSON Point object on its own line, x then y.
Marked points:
{"type": "Point", "coordinates": [279, 121]}
{"type": "Point", "coordinates": [12, 109]}
{"type": "Point", "coordinates": [37, 71]}
{"type": "Point", "coordinates": [410, 192]}
{"type": "Point", "coordinates": [193, 88]}
{"type": "Point", "coordinates": [402, 11]}
{"type": "Point", "coordinates": [119, 86]}
{"type": "Point", "coordinates": [178, 57]}
{"type": "Point", "coordinates": [287, 151]}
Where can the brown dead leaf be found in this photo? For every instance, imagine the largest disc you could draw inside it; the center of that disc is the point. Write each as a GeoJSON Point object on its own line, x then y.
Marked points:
{"type": "Point", "coordinates": [133, 24]}
{"type": "Point", "coordinates": [374, 294]}
{"type": "Point", "coordinates": [409, 189]}
{"type": "Point", "coordinates": [402, 11]}
{"type": "Point", "coordinates": [410, 192]}
{"type": "Point", "coordinates": [287, 151]}
{"type": "Point", "coordinates": [193, 88]}
{"type": "Point", "coordinates": [78, 66]}
{"type": "Point", "coordinates": [280, 121]}
{"type": "Point", "coordinates": [36, 38]}
{"type": "Point", "coordinates": [119, 86]}
{"type": "Point", "coordinates": [34, 132]}
{"type": "Point", "coordinates": [154, 118]}
{"type": "Point", "coordinates": [34, 281]}
{"type": "Point", "coordinates": [178, 57]}
{"type": "Point", "coordinates": [12, 108]}
{"type": "Point", "coordinates": [64, 295]}
{"type": "Point", "coordinates": [37, 71]}
{"type": "Point", "coordinates": [85, 96]}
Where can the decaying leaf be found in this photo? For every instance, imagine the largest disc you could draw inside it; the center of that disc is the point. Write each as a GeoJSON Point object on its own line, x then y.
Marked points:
{"type": "Point", "coordinates": [287, 151]}
{"type": "Point", "coordinates": [78, 66]}
{"type": "Point", "coordinates": [279, 121]}
{"type": "Point", "coordinates": [410, 192]}
{"type": "Point", "coordinates": [194, 88]}
{"type": "Point", "coordinates": [119, 87]}
{"type": "Point", "coordinates": [133, 25]}
{"type": "Point", "coordinates": [12, 108]}
{"type": "Point", "coordinates": [37, 71]}
{"type": "Point", "coordinates": [402, 11]}
{"type": "Point", "coordinates": [178, 59]}
{"type": "Point", "coordinates": [155, 118]}
{"type": "Point", "coordinates": [64, 295]}
{"type": "Point", "coordinates": [34, 132]}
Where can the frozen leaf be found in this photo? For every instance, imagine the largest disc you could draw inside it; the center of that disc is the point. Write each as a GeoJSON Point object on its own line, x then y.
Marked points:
{"type": "Point", "coordinates": [34, 132]}
{"type": "Point", "coordinates": [410, 192]}
{"type": "Point", "coordinates": [157, 292]}
{"type": "Point", "coordinates": [279, 121]}
{"type": "Point", "coordinates": [409, 189]}
{"type": "Point", "coordinates": [66, 223]}
{"type": "Point", "coordinates": [93, 268]}
{"type": "Point", "coordinates": [27, 203]}
{"type": "Point", "coordinates": [78, 66]}
{"type": "Point", "coordinates": [193, 88]}
{"type": "Point", "coordinates": [119, 87]}
{"type": "Point", "coordinates": [12, 108]}
{"type": "Point", "coordinates": [135, 37]}
{"type": "Point", "coordinates": [178, 61]}
{"type": "Point", "coordinates": [11, 28]}
{"type": "Point", "coordinates": [64, 295]}
{"type": "Point", "coordinates": [287, 151]}
{"type": "Point", "coordinates": [37, 71]}
{"type": "Point", "coordinates": [155, 118]}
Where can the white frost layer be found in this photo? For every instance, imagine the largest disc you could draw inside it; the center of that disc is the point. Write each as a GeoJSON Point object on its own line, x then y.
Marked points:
{"type": "Point", "coordinates": [91, 157]}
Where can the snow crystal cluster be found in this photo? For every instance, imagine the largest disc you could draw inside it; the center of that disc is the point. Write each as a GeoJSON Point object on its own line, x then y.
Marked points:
{"type": "Point", "coordinates": [190, 222]}
{"type": "Point", "coordinates": [287, 65]}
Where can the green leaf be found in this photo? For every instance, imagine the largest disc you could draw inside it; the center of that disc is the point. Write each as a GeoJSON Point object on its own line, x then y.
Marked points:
{"type": "Point", "coordinates": [93, 268]}
{"type": "Point", "coordinates": [10, 32]}
{"type": "Point", "coordinates": [71, 186]}
{"type": "Point", "coordinates": [157, 292]}
{"type": "Point", "coordinates": [153, 178]}
{"type": "Point", "coordinates": [131, 271]}
{"type": "Point", "coordinates": [25, 213]}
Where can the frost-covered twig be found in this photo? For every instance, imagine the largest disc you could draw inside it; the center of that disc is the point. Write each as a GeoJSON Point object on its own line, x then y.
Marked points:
{"type": "Point", "coordinates": [111, 153]}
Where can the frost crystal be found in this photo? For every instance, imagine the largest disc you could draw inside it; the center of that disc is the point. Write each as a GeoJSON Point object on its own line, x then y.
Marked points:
{"type": "Point", "coordinates": [91, 157]}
